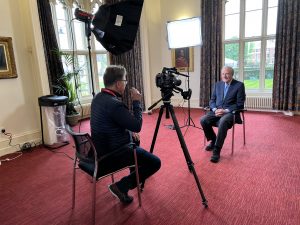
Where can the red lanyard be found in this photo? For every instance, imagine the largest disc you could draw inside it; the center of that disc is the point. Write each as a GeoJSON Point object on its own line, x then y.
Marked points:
{"type": "Point", "coordinates": [108, 91]}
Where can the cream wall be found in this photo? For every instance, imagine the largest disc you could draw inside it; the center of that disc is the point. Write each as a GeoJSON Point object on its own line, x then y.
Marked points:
{"type": "Point", "coordinates": [19, 113]}
{"type": "Point", "coordinates": [158, 12]}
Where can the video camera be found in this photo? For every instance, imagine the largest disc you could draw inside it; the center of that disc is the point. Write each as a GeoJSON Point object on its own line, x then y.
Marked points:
{"type": "Point", "coordinates": [168, 82]}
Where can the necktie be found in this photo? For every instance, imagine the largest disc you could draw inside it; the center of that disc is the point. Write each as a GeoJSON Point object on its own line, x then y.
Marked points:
{"type": "Point", "coordinates": [225, 90]}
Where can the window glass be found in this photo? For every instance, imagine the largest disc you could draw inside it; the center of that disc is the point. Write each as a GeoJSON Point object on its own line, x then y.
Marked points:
{"type": "Point", "coordinates": [252, 56]}
{"type": "Point", "coordinates": [62, 34]}
{"type": "Point", "coordinates": [243, 48]}
{"type": "Point", "coordinates": [60, 12]}
{"type": "Point", "coordinates": [253, 5]}
{"type": "Point", "coordinates": [98, 45]}
{"type": "Point", "coordinates": [232, 6]}
{"type": "Point", "coordinates": [272, 21]}
{"type": "Point", "coordinates": [101, 65]}
{"type": "Point", "coordinates": [232, 26]}
{"type": "Point", "coordinates": [269, 69]}
{"type": "Point", "coordinates": [80, 36]}
{"type": "Point", "coordinates": [253, 23]}
{"type": "Point", "coordinates": [84, 76]}
{"type": "Point", "coordinates": [272, 3]}
{"type": "Point", "coordinates": [65, 25]}
{"type": "Point", "coordinates": [232, 57]}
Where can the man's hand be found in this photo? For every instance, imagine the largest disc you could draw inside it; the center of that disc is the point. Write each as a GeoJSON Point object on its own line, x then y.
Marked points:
{"type": "Point", "coordinates": [135, 94]}
{"type": "Point", "coordinates": [220, 112]}
{"type": "Point", "coordinates": [135, 137]}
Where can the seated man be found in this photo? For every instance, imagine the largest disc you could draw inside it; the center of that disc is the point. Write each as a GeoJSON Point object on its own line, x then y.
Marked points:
{"type": "Point", "coordinates": [111, 128]}
{"type": "Point", "coordinates": [228, 95]}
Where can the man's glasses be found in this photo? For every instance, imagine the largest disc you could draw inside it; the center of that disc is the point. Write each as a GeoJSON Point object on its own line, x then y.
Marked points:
{"type": "Point", "coordinates": [124, 81]}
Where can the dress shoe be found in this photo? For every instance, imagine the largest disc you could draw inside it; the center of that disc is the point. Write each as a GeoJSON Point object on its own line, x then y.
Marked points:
{"type": "Point", "coordinates": [216, 155]}
{"type": "Point", "coordinates": [210, 146]}
{"type": "Point", "coordinates": [123, 197]}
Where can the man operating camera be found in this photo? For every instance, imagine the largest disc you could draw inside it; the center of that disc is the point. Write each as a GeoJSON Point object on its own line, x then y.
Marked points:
{"type": "Point", "coordinates": [112, 125]}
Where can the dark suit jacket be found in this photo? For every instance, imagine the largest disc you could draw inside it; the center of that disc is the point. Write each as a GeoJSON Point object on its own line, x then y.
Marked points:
{"type": "Point", "coordinates": [235, 97]}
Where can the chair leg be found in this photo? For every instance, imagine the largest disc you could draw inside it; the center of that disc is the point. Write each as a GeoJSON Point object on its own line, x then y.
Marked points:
{"type": "Point", "coordinates": [244, 131]}
{"type": "Point", "coordinates": [94, 201]}
{"type": "Point", "coordinates": [74, 183]}
{"type": "Point", "coordinates": [232, 143]}
{"type": "Point", "coordinates": [137, 178]}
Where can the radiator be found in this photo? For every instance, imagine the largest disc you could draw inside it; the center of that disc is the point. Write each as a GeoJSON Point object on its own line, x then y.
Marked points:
{"type": "Point", "coordinates": [259, 103]}
{"type": "Point", "coordinates": [86, 110]}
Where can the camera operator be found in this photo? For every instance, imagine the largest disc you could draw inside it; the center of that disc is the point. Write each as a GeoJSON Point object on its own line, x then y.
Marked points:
{"type": "Point", "coordinates": [112, 125]}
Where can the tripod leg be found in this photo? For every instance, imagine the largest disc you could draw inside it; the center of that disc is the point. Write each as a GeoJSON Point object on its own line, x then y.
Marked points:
{"type": "Point", "coordinates": [186, 154]}
{"type": "Point", "coordinates": [157, 127]}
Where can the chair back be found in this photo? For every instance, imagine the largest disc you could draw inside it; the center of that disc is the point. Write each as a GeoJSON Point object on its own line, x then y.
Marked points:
{"type": "Point", "coordinates": [85, 151]}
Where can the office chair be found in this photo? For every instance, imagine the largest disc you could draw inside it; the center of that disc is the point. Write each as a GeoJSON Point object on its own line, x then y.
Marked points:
{"type": "Point", "coordinates": [236, 120]}
{"type": "Point", "coordinates": [87, 160]}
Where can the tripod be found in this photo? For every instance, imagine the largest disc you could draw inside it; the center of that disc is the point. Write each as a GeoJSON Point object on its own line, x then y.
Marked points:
{"type": "Point", "coordinates": [190, 164]}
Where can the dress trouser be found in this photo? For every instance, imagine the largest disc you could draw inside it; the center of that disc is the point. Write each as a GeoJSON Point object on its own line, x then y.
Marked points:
{"type": "Point", "coordinates": [147, 162]}
{"type": "Point", "coordinates": [223, 123]}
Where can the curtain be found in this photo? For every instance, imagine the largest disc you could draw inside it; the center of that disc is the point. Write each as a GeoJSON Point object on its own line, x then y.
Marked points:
{"type": "Point", "coordinates": [211, 50]}
{"type": "Point", "coordinates": [53, 61]}
{"type": "Point", "coordinates": [286, 81]}
{"type": "Point", "coordinates": [132, 61]}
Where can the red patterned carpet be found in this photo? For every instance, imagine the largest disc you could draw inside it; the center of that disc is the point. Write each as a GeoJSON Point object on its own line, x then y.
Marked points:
{"type": "Point", "coordinates": [258, 185]}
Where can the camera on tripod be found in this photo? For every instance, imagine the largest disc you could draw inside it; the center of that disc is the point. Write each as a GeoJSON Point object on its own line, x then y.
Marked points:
{"type": "Point", "coordinates": [168, 82]}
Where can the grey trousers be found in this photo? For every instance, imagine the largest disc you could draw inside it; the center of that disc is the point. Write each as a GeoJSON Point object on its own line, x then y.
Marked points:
{"type": "Point", "coordinates": [223, 123]}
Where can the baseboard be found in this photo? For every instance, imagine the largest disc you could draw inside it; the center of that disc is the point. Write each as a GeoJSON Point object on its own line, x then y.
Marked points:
{"type": "Point", "coordinates": [31, 137]}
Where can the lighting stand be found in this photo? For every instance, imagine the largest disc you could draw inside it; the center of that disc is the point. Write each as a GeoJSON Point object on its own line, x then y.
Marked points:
{"type": "Point", "coordinates": [189, 121]}
{"type": "Point", "coordinates": [88, 36]}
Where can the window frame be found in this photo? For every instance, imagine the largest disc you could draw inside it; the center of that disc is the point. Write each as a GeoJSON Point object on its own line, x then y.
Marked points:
{"type": "Point", "coordinates": [242, 40]}
{"type": "Point", "coordinates": [78, 52]}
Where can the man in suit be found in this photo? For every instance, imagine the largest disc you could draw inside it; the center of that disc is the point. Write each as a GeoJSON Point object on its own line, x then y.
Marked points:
{"type": "Point", "coordinates": [228, 95]}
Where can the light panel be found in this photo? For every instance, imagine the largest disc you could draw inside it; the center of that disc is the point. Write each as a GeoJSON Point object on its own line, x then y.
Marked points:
{"type": "Point", "coordinates": [184, 33]}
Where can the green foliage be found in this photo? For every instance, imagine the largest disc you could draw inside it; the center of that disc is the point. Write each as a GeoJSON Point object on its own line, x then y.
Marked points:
{"type": "Point", "coordinates": [232, 51]}
{"type": "Point", "coordinates": [254, 84]}
{"type": "Point", "coordinates": [67, 83]}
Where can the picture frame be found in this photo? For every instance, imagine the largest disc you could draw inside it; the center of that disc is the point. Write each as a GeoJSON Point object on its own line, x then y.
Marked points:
{"type": "Point", "coordinates": [7, 59]}
{"type": "Point", "coordinates": [182, 58]}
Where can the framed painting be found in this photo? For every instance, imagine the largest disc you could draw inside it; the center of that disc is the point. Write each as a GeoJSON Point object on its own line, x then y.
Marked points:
{"type": "Point", "coordinates": [7, 59]}
{"type": "Point", "coordinates": [183, 59]}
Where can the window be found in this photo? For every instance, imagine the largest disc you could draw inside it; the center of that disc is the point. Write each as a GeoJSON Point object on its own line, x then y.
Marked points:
{"type": "Point", "coordinates": [71, 35]}
{"type": "Point", "coordinates": [249, 42]}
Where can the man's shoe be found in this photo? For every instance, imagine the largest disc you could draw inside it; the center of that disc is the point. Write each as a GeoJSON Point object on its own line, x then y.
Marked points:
{"type": "Point", "coordinates": [210, 146]}
{"type": "Point", "coordinates": [216, 155]}
{"type": "Point", "coordinates": [123, 197]}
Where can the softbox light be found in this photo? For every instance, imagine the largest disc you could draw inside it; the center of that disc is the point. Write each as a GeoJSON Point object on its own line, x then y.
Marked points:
{"type": "Point", "coordinates": [116, 25]}
{"type": "Point", "coordinates": [184, 33]}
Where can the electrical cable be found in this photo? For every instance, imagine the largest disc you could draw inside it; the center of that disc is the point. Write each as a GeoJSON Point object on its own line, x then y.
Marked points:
{"type": "Point", "coordinates": [65, 154]}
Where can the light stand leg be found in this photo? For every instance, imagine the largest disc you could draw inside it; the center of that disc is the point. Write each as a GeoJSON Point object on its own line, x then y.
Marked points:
{"type": "Point", "coordinates": [187, 123]}
{"type": "Point", "coordinates": [189, 119]}
{"type": "Point", "coordinates": [88, 36]}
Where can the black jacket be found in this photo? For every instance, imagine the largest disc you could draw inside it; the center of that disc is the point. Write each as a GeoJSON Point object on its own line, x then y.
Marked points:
{"type": "Point", "coordinates": [111, 122]}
